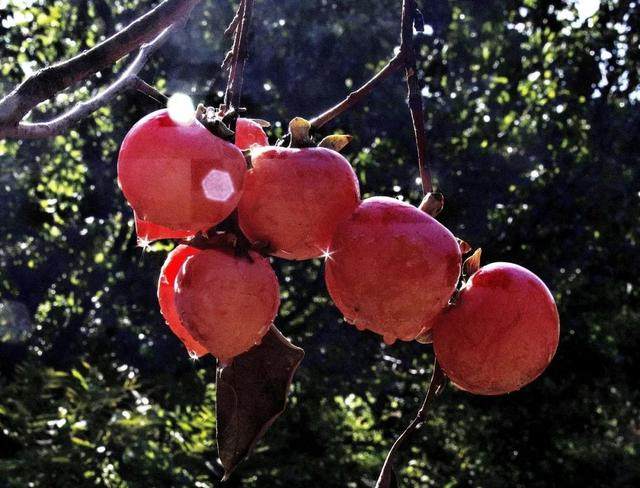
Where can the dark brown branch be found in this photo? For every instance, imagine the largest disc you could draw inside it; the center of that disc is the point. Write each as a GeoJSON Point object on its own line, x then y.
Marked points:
{"type": "Point", "coordinates": [437, 384]}
{"type": "Point", "coordinates": [128, 80]}
{"type": "Point", "coordinates": [356, 96]}
{"type": "Point", "coordinates": [414, 97]}
{"type": "Point", "coordinates": [239, 53]}
{"type": "Point", "coordinates": [49, 81]}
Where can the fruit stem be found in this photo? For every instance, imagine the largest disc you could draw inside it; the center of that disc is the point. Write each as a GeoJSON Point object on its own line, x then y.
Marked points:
{"type": "Point", "coordinates": [436, 386]}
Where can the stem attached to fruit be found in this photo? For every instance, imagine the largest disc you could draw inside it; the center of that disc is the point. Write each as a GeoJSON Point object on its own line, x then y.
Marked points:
{"type": "Point", "coordinates": [436, 386]}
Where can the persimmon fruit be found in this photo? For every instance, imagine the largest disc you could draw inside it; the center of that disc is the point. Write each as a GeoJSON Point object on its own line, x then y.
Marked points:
{"type": "Point", "coordinates": [181, 177]}
{"type": "Point", "coordinates": [295, 198]}
{"type": "Point", "coordinates": [500, 334]}
{"type": "Point", "coordinates": [248, 133]}
{"type": "Point", "coordinates": [392, 268]}
{"type": "Point", "coordinates": [226, 302]}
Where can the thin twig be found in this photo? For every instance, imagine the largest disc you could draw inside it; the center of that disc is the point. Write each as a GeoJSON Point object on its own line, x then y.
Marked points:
{"type": "Point", "coordinates": [414, 97]}
{"type": "Point", "coordinates": [437, 384]}
{"type": "Point", "coordinates": [239, 53]}
{"type": "Point", "coordinates": [129, 79]}
{"type": "Point", "coordinates": [396, 63]}
{"type": "Point", "coordinates": [144, 87]}
{"type": "Point", "coordinates": [47, 82]}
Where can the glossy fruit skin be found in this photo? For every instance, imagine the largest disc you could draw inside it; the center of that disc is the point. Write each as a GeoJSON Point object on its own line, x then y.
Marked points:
{"type": "Point", "coordinates": [392, 268]}
{"type": "Point", "coordinates": [179, 177]}
{"type": "Point", "coordinates": [227, 302]}
{"type": "Point", "coordinates": [249, 133]}
{"type": "Point", "coordinates": [295, 198]}
{"type": "Point", "coordinates": [501, 333]}
{"type": "Point", "coordinates": [166, 297]}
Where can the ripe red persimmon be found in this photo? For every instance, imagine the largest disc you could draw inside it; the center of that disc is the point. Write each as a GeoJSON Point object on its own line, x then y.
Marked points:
{"type": "Point", "coordinates": [501, 333]}
{"type": "Point", "coordinates": [392, 268]}
{"type": "Point", "coordinates": [295, 198]}
{"type": "Point", "coordinates": [166, 297]}
{"type": "Point", "coordinates": [227, 302]}
{"type": "Point", "coordinates": [248, 133]}
{"type": "Point", "coordinates": [179, 177]}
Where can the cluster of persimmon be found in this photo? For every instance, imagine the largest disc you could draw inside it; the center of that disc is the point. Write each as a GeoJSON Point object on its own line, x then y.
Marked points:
{"type": "Point", "coordinates": [390, 267]}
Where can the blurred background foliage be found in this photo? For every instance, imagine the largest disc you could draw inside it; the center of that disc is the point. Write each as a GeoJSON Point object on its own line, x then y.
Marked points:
{"type": "Point", "coordinates": [533, 123]}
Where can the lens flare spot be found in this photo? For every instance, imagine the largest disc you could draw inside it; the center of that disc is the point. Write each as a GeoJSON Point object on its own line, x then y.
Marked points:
{"type": "Point", "coordinates": [181, 109]}
{"type": "Point", "coordinates": [218, 186]}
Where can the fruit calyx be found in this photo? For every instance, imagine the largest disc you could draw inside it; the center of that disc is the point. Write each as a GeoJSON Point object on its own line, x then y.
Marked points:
{"type": "Point", "coordinates": [219, 122]}
{"type": "Point", "coordinates": [299, 137]}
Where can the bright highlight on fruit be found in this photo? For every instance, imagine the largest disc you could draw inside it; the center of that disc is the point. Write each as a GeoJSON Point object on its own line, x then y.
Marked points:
{"type": "Point", "coordinates": [295, 198]}
{"type": "Point", "coordinates": [501, 333]}
{"type": "Point", "coordinates": [181, 109]}
{"type": "Point", "coordinates": [180, 177]}
{"type": "Point", "coordinates": [392, 268]}
{"type": "Point", "coordinates": [227, 302]}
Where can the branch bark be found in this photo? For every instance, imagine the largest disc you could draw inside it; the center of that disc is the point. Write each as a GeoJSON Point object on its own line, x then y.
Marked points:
{"type": "Point", "coordinates": [239, 52]}
{"type": "Point", "coordinates": [437, 384]}
{"type": "Point", "coordinates": [414, 97]}
{"type": "Point", "coordinates": [51, 80]}
{"type": "Point", "coordinates": [128, 80]}
{"type": "Point", "coordinates": [395, 64]}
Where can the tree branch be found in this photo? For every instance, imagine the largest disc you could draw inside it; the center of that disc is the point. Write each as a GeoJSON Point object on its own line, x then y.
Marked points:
{"type": "Point", "coordinates": [436, 386]}
{"type": "Point", "coordinates": [240, 23]}
{"type": "Point", "coordinates": [128, 79]}
{"type": "Point", "coordinates": [414, 97]}
{"type": "Point", "coordinates": [356, 96]}
{"type": "Point", "coordinates": [49, 81]}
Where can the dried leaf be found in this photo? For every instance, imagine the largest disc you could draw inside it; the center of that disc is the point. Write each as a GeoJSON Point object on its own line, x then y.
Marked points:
{"type": "Point", "coordinates": [465, 247]}
{"type": "Point", "coordinates": [336, 141]}
{"type": "Point", "coordinates": [299, 129]}
{"type": "Point", "coordinates": [432, 204]}
{"type": "Point", "coordinates": [251, 394]}
{"type": "Point", "coordinates": [472, 263]}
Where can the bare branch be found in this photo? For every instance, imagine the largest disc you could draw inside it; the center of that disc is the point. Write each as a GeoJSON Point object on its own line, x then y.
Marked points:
{"type": "Point", "coordinates": [47, 82]}
{"type": "Point", "coordinates": [437, 384]}
{"type": "Point", "coordinates": [356, 96]}
{"type": "Point", "coordinates": [128, 79]}
{"type": "Point", "coordinates": [414, 97]}
{"type": "Point", "coordinates": [239, 53]}
{"type": "Point", "coordinates": [144, 87]}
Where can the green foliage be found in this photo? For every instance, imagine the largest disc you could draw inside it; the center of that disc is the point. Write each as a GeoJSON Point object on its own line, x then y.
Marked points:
{"type": "Point", "coordinates": [533, 119]}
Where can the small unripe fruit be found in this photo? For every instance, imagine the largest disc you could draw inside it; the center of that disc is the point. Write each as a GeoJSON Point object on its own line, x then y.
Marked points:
{"type": "Point", "coordinates": [166, 297]}
{"type": "Point", "coordinates": [179, 176]}
{"type": "Point", "coordinates": [227, 302]}
{"type": "Point", "coordinates": [248, 133]}
{"type": "Point", "coordinates": [392, 268]}
{"type": "Point", "coordinates": [501, 333]}
{"type": "Point", "coordinates": [295, 198]}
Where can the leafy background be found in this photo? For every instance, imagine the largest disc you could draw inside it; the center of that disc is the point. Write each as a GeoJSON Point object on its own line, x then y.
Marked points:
{"type": "Point", "coordinates": [533, 125]}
